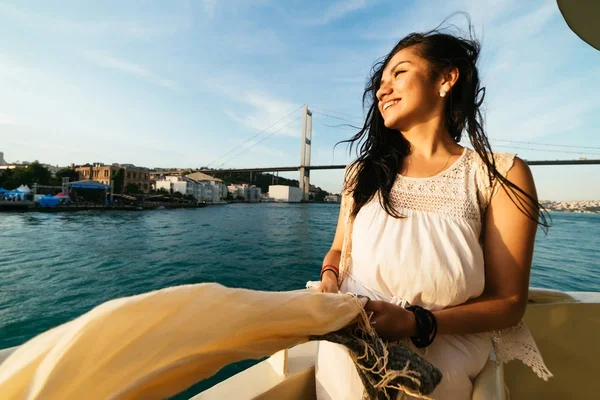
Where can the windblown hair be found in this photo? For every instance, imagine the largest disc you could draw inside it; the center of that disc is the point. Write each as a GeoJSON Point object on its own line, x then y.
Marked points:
{"type": "Point", "coordinates": [381, 150]}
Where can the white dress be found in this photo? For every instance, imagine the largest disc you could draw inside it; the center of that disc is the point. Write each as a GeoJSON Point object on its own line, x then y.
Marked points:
{"type": "Point", "coordinates": [433, 258]}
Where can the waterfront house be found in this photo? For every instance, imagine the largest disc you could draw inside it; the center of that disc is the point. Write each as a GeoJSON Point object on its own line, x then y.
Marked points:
{"type": "Point", "coordinates": [332, 198]}
{"type": "Point", "coordinates": [251, 194]}
{"type": "Point", "coordinates": [214, 189]}
{"type": "Point", "coordinates": [132, 175]}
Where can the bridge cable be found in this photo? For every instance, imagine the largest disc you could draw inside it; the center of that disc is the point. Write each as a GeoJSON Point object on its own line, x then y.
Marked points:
{"type": "Point", "coordinates": [326, 111]}
{"type": "Point", "coordinates": [335, 117]}
{"type": "Point", "coordinates": [545, 144]}
{"type": "Point", "coordinates": [259, 142]}
{"type": "Point", "coordinates": [258, 134]}
{"type": "Point", "coordinates": [546, 150]}
{"type": "Point", "coordinates": [354, 119]}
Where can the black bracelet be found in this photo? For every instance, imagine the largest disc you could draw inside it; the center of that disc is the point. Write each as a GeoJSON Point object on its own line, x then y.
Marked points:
{"type": "Point", "coordinates": [329, 269]}
{"type": "Point", "coordinates": [426, 326]}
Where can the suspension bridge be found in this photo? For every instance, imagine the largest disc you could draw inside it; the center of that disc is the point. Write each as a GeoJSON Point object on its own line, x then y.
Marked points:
{"type": "Point", "coordinates": [305, 166]}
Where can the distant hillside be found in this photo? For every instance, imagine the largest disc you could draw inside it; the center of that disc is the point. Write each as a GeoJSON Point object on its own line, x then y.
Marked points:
{"type": "Point", "coordinates": [261, 180]}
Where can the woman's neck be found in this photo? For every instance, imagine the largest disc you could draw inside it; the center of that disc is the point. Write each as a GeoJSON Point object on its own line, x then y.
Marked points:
{"type": "Point", "coordinates": [429, 140]}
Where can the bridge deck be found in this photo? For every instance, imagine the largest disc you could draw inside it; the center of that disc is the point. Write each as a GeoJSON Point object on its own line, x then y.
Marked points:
{"type": "Point", "coordinates": [341, 166]}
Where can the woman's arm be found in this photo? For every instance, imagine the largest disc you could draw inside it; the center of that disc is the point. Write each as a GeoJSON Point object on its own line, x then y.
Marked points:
{"type": "Point", "coordinates": [508, 250]}
{"type": "Point", "coordinates": [329, 282]}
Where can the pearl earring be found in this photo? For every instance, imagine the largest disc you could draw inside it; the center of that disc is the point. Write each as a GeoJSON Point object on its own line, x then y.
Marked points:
{"type": "Point", "coordinates": [443, 93]}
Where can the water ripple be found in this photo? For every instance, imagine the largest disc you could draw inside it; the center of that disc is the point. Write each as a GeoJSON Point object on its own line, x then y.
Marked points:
{"type": "Point", "coordinates": [55, 267]}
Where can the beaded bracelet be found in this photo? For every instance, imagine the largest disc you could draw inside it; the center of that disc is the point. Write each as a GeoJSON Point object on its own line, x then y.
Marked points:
{"type": "Point", "coordinates": [426, 326]}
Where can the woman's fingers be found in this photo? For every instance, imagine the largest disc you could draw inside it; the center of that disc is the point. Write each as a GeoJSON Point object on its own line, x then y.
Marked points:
{"type": "Point", "coordinates": [327, 288]}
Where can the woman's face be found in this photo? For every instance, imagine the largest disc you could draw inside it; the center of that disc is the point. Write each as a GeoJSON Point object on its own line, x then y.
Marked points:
{"type": "Point", "coordinates": [408, 95]}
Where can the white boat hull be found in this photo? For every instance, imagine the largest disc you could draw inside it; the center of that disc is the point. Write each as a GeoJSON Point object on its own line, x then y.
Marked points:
{"type": "Point", "coordinates": [565, 325]}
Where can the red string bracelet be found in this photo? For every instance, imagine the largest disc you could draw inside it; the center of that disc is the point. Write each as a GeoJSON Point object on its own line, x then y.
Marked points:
{"type": "Point", "coordinates": [332, 268]}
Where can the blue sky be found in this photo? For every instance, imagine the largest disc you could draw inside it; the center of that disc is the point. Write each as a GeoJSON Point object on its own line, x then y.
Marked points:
{"type": "Point", "coordinates": [180, 83]}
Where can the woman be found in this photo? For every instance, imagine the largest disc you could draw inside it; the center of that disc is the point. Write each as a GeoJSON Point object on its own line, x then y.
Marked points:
{"type": "Point", "coordinates": [445, 229]}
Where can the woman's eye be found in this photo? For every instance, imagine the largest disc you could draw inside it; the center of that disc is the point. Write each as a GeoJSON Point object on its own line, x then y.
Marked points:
{"type": "Point", "coordinates": [399, 72]}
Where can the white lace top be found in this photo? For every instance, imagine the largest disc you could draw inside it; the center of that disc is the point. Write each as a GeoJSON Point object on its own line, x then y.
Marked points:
{"type": "Point", "coordinates": [433, 257]}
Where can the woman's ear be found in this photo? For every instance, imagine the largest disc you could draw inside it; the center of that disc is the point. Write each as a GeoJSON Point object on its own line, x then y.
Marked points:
{"type": "Point", "coordinates": [448, 79]}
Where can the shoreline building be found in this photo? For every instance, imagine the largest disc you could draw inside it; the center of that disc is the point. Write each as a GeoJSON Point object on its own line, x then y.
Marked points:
{"type": "Point", "coordinates": [201, 186]}
{"type": "Point", "coordinates": [176, 184]}
{"type": "Point", "coordinates": [214, 189]}
{"type": "Point", "coordinates": [285, 194]}
{"type": "Point", "coordinates": [251, 194]}
{"type": "Point", "coordinates": [99, 172]}
{"type": "Point", "coordinates": [332, 198]}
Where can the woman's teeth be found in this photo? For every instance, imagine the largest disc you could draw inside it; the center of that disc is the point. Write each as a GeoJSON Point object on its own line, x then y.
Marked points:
{"type": "Point", "coordinates": [389, 104]}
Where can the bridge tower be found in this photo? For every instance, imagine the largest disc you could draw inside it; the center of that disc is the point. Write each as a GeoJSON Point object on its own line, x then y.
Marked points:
{"type": "Point", "coordinates": [305, 152]}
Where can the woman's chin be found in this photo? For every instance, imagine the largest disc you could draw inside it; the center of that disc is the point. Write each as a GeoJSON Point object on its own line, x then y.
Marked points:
{"type": "Point", "coordinates": [393, 123]}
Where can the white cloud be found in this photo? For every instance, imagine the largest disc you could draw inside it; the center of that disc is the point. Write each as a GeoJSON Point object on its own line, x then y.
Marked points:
{"type": "Point", "coordinates": [529, 24]}
{"type": "Point", "coordinates": [106, 60]}
{"type": "Point", "coordinates": [255, 41]}
{"type": "Point", "coordinates": [339, 10]}
{"type": "Point", "coordinates": [168, 25]}
{"type": "Point", "coordinates": [255, 146]}
{"type": "Point", "coordinates": [244, 153]}
{"type": "Point", "coordinates": [210, 7]}
{"type": "Point", "coordinates": [254, 107]}
{"type": "Point", "coordinates": [269, 118]}
{"type": "Point", "coordinates": [530, 110]}
{"type": "Point", "coordinates": [6, 119]}
{"type": "Point", "coordinates": [13, 12]}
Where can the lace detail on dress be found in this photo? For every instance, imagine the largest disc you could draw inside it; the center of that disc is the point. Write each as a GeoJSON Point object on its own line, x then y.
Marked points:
{"type": "Point", "coordinates": [517, 343]}
{"type": "Point", "coordinates": [346, 211]}
{"type": "Point", "coordinates": [449, 193]}
{"type": "Point", "coordinates": [486, 189]}
{"type": "Point", "coordinates": [509, 344]}
{"type": "Point", "coordinates": [346, 206]}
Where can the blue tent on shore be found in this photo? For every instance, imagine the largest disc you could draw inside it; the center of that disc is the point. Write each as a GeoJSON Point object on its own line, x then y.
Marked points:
{"type": "Point", "coordinates": [14, 193]}
{"type": "Point", "coordinates": [49, 201]}
{"type": "Point", "coordinates": [3, 191]}
{"type": "Point", "coordinates": [88, 184]}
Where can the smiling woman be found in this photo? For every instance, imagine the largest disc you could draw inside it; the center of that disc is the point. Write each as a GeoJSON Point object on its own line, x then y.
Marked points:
{"type": "Point", "coordinates": [439, 236]}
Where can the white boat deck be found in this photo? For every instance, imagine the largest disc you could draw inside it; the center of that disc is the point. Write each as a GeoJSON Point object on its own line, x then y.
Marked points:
{"type": "Point", "coordinates": [291, 372]}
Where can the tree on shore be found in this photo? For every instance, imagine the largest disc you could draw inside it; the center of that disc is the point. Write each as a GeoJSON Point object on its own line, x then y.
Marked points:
{"type": "Point", "coordinates": [28, 175]}
{"type": "Point", "coordinates": [118, 181]}
{"type": "Point", "coordinates": [66, 173]}
{"type": "Point", "coordinates": [132, 188]}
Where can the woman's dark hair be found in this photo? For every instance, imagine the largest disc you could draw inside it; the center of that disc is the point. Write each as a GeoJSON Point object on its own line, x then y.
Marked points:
{"type": "Point", "coordinates": [382, 150]}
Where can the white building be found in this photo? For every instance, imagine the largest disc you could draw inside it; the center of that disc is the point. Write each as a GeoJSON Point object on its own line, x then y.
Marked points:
{"type": "Point", "coordinates": [213, 189]}
{"type": "Point", "coordinates": [209, 192]}
{"type": "Point", "coordinates": [176, 184]}
{"type": "Point", "coordinates": [285, 194]}
{"type": "Point", "coordinates": [332, 198]}
{"type": "Point", "coordinates": [250, 194]}
{"type": "Point", "coordinates": [201, 186]}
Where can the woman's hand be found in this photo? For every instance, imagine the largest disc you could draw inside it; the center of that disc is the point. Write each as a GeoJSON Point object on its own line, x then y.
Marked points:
{"type": "Point", "coordinates": [391, 322]}
{"type": "Point", "coordinates": [328, 283]}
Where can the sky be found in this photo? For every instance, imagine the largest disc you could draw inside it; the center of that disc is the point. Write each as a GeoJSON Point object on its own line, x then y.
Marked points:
{"type": "Point", "coordinates": [222, 82]}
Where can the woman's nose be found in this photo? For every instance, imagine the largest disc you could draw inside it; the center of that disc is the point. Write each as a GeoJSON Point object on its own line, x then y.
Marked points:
{"type": "Point", "coordinates": [384, 90]}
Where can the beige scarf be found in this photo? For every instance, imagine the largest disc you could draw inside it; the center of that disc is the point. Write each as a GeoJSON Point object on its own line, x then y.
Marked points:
{"type": "Point", "coordinates": [154, 345]}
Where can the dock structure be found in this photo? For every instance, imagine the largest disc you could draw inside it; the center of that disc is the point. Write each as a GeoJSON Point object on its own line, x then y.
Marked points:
{"type": "Point", "coordinates": [30, 206]}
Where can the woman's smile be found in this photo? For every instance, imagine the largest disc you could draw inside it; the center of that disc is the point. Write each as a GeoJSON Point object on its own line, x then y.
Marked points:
{"type": "Point", "coordinates": [390, 103]}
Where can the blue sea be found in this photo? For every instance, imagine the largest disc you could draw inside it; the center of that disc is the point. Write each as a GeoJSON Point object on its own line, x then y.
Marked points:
{"type": "Point", "coordinates": [55, 267]}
